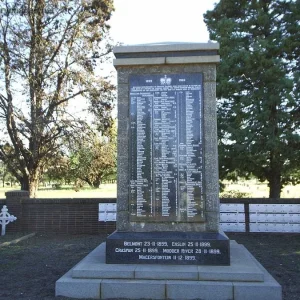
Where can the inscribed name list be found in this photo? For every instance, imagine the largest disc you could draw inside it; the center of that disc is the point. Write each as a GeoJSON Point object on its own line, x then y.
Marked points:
{"type": "Point", "coordinates": [166, 150]}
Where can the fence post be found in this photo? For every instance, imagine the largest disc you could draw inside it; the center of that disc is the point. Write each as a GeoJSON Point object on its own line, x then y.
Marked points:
{"type": "Point", "coordinates": [247, 217]}
{"type": "Point", "coordinates": [14, 201]}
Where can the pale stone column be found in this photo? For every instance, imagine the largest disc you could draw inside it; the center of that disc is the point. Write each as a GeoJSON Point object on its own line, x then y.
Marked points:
{"type": "Point", "coordinates": [166, 59]}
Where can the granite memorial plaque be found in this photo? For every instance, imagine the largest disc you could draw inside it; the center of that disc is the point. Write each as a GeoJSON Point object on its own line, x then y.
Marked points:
{"type": "Point", "coordinates": [166, 144]}
{"type": "Point", "coordinates": [184, 248]}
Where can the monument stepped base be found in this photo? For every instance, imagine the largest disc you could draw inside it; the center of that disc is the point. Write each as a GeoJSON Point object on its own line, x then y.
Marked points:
{"type": "Point", "coordinates": [244, 279]}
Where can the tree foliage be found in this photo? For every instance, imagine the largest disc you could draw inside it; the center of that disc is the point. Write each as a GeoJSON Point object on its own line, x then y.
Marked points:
{"type": "Point", "coordinates": [5, 176]}
{"type": "Point", "coordinates": [57, 171]}
{"type": "Point", "coordinates": [258, 88]}
{"type": "Point", "coordinates": [93, 159]}
{"type": "Point", "coordinates": [49, 51]}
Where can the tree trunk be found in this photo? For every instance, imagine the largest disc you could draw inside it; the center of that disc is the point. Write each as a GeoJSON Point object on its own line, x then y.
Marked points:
{"type": "Point", "coordinates": [30, 183]}
{"type": "Point", "coordinates": [96, 183]}
{"type": "Point", "coordinates": [24, 181]}
{"type": "Point", "coordinates": [275, 185]}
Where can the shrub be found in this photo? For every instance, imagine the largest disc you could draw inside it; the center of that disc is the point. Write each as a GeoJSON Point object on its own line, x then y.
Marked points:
{"type": "Point", "coordinates": [234, 194]}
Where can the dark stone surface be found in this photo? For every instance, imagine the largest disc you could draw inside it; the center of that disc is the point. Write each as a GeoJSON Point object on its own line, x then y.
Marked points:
{"type": "Point", "coordinates": [177, 248]}
{"type": "Point", "coordinates": [166, 148]}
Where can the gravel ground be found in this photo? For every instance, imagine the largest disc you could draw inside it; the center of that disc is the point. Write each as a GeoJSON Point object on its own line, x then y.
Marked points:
{"type": "Point", "coordinates": [30, 268]}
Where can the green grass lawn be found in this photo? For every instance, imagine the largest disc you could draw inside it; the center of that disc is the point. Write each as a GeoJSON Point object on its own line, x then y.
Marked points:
{"type": "Point", "coordinates": [257, 189]}
{"type": "Point", "coordinates": [252, 188]}
{"type": "Point", "coordinates": [105, 191]}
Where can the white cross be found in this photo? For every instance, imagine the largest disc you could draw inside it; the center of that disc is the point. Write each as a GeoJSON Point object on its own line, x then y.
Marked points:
{"type": "Point", "coordinates": [5, 218]}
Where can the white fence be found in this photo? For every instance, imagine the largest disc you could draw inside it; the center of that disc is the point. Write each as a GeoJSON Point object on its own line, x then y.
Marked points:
{"type": "Point", "coordinates": [232, 217]}
{"type": "Point", "coordinates": [260, 217]}
{"type": "Point", "coordinates": [245, 215]}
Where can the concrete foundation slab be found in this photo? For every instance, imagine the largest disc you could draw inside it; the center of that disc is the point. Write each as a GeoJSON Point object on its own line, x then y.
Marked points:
{"type": "Point", "coordinates": [207, 290]}
{"type": "Point", "coordinates": [244, 279]}
{"type": "Point", "coordinates": [132, 289]}
{"type": "Point", "coordinates": [78, 288]}
{"type": "Point", "coordinates": [171, 272]}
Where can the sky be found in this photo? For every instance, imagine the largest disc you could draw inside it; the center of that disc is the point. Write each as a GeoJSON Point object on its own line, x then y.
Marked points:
{"type": "Point", "coordinates": [157, 21]}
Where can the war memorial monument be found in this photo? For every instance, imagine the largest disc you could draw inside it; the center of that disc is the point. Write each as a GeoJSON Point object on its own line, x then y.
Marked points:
{"type": "Point", "coordinates": [167, 243]}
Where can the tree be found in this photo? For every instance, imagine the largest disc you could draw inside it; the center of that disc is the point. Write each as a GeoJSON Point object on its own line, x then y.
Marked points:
{"type": "Point", "coordinates": [94, 159]}
{"type": "Point", "coordinates": [6, 175]}
{"type": "Point", "coordinates": [57, 171]}
{"type": "Point", "coordinates": [49, 51]}
{"type": "Point", "coordinates": [258, 88]}
{"type": "Point", "coordinates": [9, 163]}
